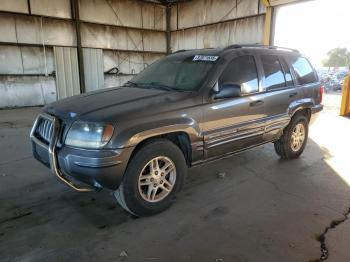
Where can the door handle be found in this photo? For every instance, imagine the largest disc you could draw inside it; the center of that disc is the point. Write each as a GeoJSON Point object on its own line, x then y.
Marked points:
{"type": "Point", "coordinates": [257, 103]}
{"type": "Point", "coordinates": [293, 94]}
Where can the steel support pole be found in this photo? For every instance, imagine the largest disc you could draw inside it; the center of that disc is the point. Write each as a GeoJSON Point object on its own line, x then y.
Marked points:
{"type": "Point", "coordinates": [345, 102]}
{"type": "Point", "coordinates": [76, 18]}
{"type": "Point", "coordinates": [268, 23]}
{"type": "Point", "coordinates": [168, 29]}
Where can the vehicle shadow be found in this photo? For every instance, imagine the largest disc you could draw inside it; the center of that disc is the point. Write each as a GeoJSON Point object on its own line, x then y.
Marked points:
{"type": "Point", "coordinates": [249, 200]}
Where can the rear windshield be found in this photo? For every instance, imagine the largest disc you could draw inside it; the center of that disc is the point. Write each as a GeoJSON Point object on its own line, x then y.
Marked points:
{"type": "Point", "coordinates": [176, 73]}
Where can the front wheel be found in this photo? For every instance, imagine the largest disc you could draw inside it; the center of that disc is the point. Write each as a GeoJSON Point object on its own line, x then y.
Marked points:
{"type": "Point", "coordinates": [153, 177]}
{"type": "Point", "coordinates": [293, 141]}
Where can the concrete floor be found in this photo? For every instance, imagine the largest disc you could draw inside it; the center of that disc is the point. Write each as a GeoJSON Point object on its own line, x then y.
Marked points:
{"type": "Point", "coordinates": [264, 209]}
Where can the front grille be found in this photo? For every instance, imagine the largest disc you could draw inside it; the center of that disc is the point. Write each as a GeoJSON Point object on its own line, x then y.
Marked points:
{"type": "Point", "coordinates": [44, 130]}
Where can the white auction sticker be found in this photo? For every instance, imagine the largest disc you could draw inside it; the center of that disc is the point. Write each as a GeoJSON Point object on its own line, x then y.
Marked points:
{"type": "Point", "coordinates": [209, 58]}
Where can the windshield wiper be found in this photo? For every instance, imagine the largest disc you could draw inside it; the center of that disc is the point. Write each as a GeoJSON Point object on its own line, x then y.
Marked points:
{"type": "Point", "coordinates": [130, 83]}
{"type": "Point", "coordinates": [159, 86]}
{"type": "Point", "coordinates": [155, 85]}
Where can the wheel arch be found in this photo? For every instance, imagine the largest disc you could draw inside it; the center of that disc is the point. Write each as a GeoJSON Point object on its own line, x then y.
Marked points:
{"type": "Point", "coordinates": [180, 138]}
{"type": "Point", "coordinates": [303, 111]}
{"type": "Point", "coordinates": [301, 107]}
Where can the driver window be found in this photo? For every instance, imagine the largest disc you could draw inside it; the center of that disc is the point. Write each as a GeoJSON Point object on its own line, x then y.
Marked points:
{"type": "Point", "coordinates": [242, 71]}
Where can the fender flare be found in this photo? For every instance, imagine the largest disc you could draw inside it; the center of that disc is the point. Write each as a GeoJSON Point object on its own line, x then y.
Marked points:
{"type": "Point", "coordinates": [134, 135]}
{"type": "Point", "coordinates": [301, 104]}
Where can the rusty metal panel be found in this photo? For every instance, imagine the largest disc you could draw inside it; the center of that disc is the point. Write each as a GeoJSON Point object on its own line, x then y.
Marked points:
{"type": "Point", "coordinates": [250, 30]}
{"type": "Point", "coordinates": [36, 61]}
{"type": "Point", "coordinates": [16, 91]}
{"type": "Point", "coordinates": [67, 72]}
{"type": "Point", "coordinates": [247, 8]}
{"type": "Point", "coordinates": [115, 59]}
{"type": "Point", "coordinates": [93, 69]}
{"type": "Point", "coordinates": [10, 60]}
{"type": "Point", "coordinates": [7, 28]}
{"type": "Point", "coordinates": [128, 62]}
{"type": "Point", "coordinates": [53, 8]}
{"type": "Point", "coordinates": [173, 17]}
{"type": "Point", "coordinates": [127, 13]}
{"type": "Point", "coordinates": [134, 40]}
{"type": "Point", "coordinates": [59, 32]}
{"type": "Point", "coordinates": [111, 12]}
{"type": "Point", "coordinates": [111, 37]}
{"type": "Point", "coordinates": [247, 30]}
{"type": "Point", "coordinates": [116, 80]}
{"type": "Point", "coordinates": [17, 60]}
{"type": "Point", "coordinates": [159, 18]}
{"type": "Point", "coordinates": [34, 30]}
{"type": "Point", "coordinates": [18, 6]}
{"type": "Point", "coordinates": [154, 41]}
{"type": "Point", "coordinates": [196, 13]}
{"type": "Point", "coordinates": [29, 30]}
{"type": "Point", "coordinates": [148, 16]}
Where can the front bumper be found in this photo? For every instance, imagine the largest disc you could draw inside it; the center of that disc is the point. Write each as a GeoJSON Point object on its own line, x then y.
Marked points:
{"type": "Point", "coordinates": [95, 168]}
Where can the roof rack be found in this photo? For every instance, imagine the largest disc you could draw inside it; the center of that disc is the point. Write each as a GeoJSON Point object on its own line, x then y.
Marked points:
{"type": "Point", "coordinates": [184, 50]}
{"type": "Point", "coordinates": [262, 46]}
{"type": "Point", "coordinates": [180, 51]}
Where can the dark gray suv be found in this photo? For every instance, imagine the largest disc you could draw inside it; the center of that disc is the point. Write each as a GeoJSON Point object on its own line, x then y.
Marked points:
{"type": "Point", "coordinates": [186, 109]}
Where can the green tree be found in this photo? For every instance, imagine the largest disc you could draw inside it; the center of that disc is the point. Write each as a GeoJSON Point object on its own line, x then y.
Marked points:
{"type": "Point", "coordinates": [337, 57]}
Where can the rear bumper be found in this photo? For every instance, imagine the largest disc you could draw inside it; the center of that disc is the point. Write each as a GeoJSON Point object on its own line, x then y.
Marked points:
{"type": "Point", "coordinates": [315, 110]}
{"type": "Point", "coordinates": [95, 168]}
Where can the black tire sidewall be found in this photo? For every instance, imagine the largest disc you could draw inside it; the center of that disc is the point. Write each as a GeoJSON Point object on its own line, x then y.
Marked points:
{"type": "Point", "coordinates": [287, 142]}
{"type": "Point", "coordinates": [133, 199]}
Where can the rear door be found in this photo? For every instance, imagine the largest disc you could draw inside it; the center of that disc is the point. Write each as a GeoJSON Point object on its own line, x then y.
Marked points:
{"type": "Point", "coordinates": [280, 92]}
{"type": "Point", "coordinates": [233, 124]}
{"type": "Point", "coordinates": [306, 77]}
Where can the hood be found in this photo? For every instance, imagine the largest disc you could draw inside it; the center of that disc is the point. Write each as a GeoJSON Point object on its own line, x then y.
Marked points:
{"type": "Point", "coordinates": [106, 105]}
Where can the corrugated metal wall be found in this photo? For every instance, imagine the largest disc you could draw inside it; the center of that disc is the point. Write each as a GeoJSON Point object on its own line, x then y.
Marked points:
{"type": "Point", "coordinates": [67, 71]}
{"type": "Point", "coordinates": [93, 69]}
{"type": "Point", "coordinates": [206, 23]}
{"type": "Point", "coordinates": [129, 35]}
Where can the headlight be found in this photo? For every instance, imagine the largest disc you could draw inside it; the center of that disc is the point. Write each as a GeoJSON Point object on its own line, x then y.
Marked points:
{"type": "Point", "coordinates": [89, 135]}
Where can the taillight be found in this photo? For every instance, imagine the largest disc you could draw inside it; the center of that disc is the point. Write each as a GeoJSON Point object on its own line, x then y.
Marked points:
{"type": "Point", "coordinates": [321, 94]}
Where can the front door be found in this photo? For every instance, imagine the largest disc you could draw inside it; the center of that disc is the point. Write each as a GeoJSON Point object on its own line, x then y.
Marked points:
{"type": "Point", "coordinates": [233, 124]}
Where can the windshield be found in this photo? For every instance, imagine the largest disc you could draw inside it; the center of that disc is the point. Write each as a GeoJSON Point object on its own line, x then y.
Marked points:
{"type": "Point", "coordinates": [175, 73]}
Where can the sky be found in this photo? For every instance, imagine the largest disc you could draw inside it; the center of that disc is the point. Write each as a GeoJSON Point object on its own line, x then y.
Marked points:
{"type": "Point", "coordinates": [314, 27]}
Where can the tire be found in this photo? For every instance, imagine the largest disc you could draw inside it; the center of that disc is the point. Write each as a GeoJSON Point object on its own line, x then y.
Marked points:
{"type": "Point", "coordinates": [133, 195]}
{"type": "Point", "coordinates": [284, 146]}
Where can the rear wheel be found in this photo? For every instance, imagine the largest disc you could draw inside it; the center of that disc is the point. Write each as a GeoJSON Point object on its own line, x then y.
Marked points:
{"type": "Point", "coordinates": [153, 177]}
{"type": "Point", "coordinates": [293, 141]}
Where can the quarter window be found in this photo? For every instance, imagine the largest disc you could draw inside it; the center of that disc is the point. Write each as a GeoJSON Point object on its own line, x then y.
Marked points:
{"type": "Point", "coordinates": [303, 70]}
{"type": "Point", "coordinates": [274, 76]}
{"type": "Point", "coordinates": [242, 71]}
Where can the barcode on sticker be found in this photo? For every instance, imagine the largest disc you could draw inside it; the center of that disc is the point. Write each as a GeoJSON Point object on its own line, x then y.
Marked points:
{"type": "Point", "coordinates": [209, 58]}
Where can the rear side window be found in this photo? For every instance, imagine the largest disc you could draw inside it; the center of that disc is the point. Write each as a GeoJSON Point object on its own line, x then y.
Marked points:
{"type": "Point", "coordinates": [242, 71]}
{"type": "Point", "coordinates": [287, 73]}
{"type": "Point", "coordinates": [274, 75]}
{"type": "Point", "coordinates": [303, 70]}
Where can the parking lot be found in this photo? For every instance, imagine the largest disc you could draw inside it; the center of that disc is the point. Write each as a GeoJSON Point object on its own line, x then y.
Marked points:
{"type": "Point", "coordinates": [261, 209]}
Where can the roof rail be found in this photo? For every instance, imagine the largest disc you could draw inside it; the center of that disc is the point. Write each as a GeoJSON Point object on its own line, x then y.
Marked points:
{"type": "Point", "coordinates": [262, 46]}
{"type": "Point", "coordinates": [180, 51]}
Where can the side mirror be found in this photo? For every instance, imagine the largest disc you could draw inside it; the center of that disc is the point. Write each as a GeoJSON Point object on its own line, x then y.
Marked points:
{"type": "Point", "coordinates": [228, 90]}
